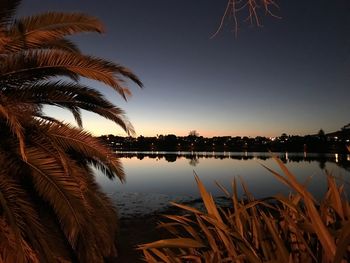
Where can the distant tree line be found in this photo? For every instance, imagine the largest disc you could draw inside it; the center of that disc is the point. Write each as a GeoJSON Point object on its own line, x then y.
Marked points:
{"type": "Point", "coordinates": [320, 142]}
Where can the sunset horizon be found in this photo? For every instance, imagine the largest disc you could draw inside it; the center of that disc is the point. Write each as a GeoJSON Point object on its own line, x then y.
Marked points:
{"type": "Point", "coordinates": [170, 131]}
{"type": "Point", "coordinates": [289, 76]}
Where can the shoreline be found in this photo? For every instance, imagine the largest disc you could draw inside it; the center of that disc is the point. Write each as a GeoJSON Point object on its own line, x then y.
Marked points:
{"type": "Point", "coordinates": [139, 229]}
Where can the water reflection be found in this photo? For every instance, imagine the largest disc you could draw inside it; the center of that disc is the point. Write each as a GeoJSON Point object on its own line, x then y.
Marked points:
{"type": "Point", "coordinates": [155, 178]}
{"type": "Point", "coordinates": [343, 160]}
{"type": "Point", "coordinates": [194, 161]}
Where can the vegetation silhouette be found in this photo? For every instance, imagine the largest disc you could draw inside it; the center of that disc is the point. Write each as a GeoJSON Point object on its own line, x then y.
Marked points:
{"type": "Point", "coordinates": [335, 142]}
{"type": "Point", "coordinates": [51, 209]}
{"type": "Point", "coordinates": [294, 228]}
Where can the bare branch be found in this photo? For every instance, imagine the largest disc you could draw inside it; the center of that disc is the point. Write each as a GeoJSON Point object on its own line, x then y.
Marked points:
{"type": "Point", "coordinates": [247, 10]}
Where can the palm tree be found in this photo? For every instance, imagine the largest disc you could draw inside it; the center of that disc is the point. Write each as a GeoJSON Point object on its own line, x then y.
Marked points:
{"type": "Point", "coordinates": [51, 209]}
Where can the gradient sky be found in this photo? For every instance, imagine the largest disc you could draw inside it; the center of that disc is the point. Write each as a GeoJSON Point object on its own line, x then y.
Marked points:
{"type": "Point", "coordinates": [291, 75]}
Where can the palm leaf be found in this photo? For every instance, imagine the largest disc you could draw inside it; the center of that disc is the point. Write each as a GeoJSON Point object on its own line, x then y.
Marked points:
{"type": "Point", "coordinates": [9, 246]}
{"type": "Point", "coordinates": [76, 114]}
{"type": "Point", "coordinates": [40, 140]}
{"type": "Point", "coordinates": [11, 216]}
{"type": "Point", "coordinates": [24, 220]}
{"type": "Point", "coordinates": [7, 10]}
{"type": "Point", "coordinates": [103, 214]}
{"type": "Point", "coordinates": [51, 208]}
{"type": "Point", "coordinates": [15, 126]}
{"type": "Point", "coordinates": [97, 215]}
{"type": "Point", "coordinates": [67, 23]}
{"type": "Point", "coordinates": [72, 97]}
{"type": "Point", "coordinates": [60, 191]}
{"type": "Point", "coordinates": [33, 61]}
{"type": "Point", "coordinates": [61, 44]}
{"type": "Point", "coordinates": [39, 30]}
{"type": "Point", "coordinates": [86, 146]}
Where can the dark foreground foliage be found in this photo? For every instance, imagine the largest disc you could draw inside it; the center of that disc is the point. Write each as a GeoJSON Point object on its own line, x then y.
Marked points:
{"type": "Point", "coordinates": [294, 228]}
{"type": "Point", "coordinates": [51, 209]}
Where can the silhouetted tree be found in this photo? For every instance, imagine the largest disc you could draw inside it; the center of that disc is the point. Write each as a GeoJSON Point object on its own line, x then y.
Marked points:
{"type": "Point", "coordinates": [193, 133]}
{"type": "Point", "coordinates": [321, 133]}
{"type": "Point", "coordinates": [323, 138]}
{"type": "Point", "coordinates": [51, 209]}
{"type": "Point", "coordinates": [170, 142]}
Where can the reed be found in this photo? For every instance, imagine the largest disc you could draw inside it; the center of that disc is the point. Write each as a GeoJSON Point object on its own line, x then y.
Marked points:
{"type": "Point", "coordinates": [293, 228]}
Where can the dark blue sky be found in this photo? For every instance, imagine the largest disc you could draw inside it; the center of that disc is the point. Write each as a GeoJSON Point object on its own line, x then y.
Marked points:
{"type": "Point", "coordinates": [291, 75]}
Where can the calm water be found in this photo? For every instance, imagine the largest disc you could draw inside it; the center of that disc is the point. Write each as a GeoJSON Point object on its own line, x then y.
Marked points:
{"type": "Point", "coordinates": [154, 179]}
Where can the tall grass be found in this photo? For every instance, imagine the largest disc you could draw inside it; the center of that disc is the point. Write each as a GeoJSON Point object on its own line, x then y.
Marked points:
{"type": "Point", "coordinates": [294, 228]}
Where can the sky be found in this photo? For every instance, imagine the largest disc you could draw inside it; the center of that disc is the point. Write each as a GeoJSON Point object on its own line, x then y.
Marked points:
{"type": "Point", "coordinates": [289, 76]}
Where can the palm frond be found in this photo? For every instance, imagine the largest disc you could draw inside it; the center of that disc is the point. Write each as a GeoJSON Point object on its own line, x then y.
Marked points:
{"type": "Point", "coordinates": [51, 208]}
{"type": "Point", "coordinates": [34, 76]}
{"type": "Point", "coordinates": [62, 44]}
{"type": "Point", "coordinates": [39, 30]}
{"type": "Point", "coordinates": [65, 23]}
{"type": "Point", "coordinates": [21, 218]}
{"type": "Point", "coordinates": [76, 114]}
{"type": "Point", "coordinates": [54, 239]}
{"type": "Point", "coordinates": [15, 126]}
{"type": "Point", "coordinates": [92, 244]}
{"type": "Point", "coordinates": [71, 96]}
{"type": "Point", "coordinates": [116, 115]}
{"type": "Point", "coordinates": [24, 220]}
{"type": "Point", "coordinates": [55, 90]}
{"type": "Point", "coordinates": [103, 206]}
{"type": "Point", "coordinates": [7, 10]}
{"type": "Point", "coordinates": [60, 191]}
{"type": "Point", "coordinates": [9, 246]}
{"type": "Point", "coordinates": [42, 117]}
{"type": "Point", "coordinates": [89, 148]}
{"type": "Point", "coordinates": [20, 247]}
{"type": "Point", "coordinates": [33, 61]}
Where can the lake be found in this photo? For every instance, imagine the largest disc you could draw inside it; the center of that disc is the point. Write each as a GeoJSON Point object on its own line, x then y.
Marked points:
{"type": "Point", "coordinates": [155, 178]}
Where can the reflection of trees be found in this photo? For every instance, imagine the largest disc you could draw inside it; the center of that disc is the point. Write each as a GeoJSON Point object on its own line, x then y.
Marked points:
{"type": "Point", "coordinates": [194, 161]}
{"type": "Point", "coordinates": [193, 158]}
{"type": "Point", "coordinates": [341, 160]}
{"type": "Point", "coordinates": [344, 164]}
{"type": "Point", "coordinates": [170, 157]}
{"type": "Point", "coordinates": [264, 158]}
{"type": "Point", "coordinates": [241, 157]}
{"type": "Point", "coordinates": [322, 164]}
{"type": "Point", "coordinates": [322, 159]}
{"type": "Point", "coordinates": [284, 159]}
{"type": "Point", "coordinates": [140, 156]}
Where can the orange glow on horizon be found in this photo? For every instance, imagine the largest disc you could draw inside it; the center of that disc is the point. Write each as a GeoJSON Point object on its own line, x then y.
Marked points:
{"type": "Point", "coordinates": [115, 130]}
